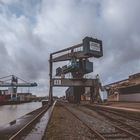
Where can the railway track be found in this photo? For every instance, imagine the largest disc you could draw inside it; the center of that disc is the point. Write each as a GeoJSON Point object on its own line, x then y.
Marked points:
{"type": "Point", "coordinates": [22, 126]}
{"type": "Point", "coordinates": [121, 127]}
{"type": "Point", "coordinates": [127, 115]}
{"type": "Point", "coordinates": [20, 132]}
{"type": "Point", "coordinates": [132, 122]}
{"type": "Point", "coordinates": [118, 134]}
{"type": "Point", "coordinates": [95, 133]}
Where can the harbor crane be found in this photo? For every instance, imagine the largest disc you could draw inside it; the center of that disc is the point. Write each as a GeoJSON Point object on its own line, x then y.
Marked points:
{"type": "Point", "coordinates": [78, 56]}
{"type": "Point", "coordinates": [12, 82]}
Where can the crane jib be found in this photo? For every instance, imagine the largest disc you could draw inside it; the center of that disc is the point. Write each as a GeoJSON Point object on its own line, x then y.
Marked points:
{"type": "Point", "coordinates": [18, 84]}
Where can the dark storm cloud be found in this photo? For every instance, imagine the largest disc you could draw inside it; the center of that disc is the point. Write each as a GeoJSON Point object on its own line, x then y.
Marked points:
{"type": "Point", "coordinates": [31, 30]}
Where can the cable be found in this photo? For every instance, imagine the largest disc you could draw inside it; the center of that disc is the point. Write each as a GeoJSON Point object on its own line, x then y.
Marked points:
{"type": "Point", "coordinates": [6, 76]}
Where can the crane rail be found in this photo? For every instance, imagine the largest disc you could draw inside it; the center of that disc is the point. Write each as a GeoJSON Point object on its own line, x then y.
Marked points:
{"type": "Point", "coordinates": [96, 133]}
{"type": "Point", "coordinates": [123, 127]}
{"type": "Point", "coordinates": [16, 130]}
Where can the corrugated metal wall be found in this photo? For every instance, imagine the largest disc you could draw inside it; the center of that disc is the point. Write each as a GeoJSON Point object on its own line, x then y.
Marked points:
{"type": "Point", "coordinates": [129, 97]}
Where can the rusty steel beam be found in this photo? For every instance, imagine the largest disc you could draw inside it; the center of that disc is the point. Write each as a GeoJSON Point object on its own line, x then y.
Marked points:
{"type": "Point", "coordinates": [50, 74]}
{"type": "Point", "coordinates": [67, 49]}
{"type": "Point", "coordinates": [69, 56]}
{"type": "Point", "coordinates": [59, 82]}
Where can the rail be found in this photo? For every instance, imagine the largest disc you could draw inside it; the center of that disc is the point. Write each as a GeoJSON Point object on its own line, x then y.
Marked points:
{"type": "Point", "coordinates": [19, 132]}
{"type": "Point", "coordinates": [24, 126]}
{"type": "Point", "coordinates": [97, 134]}
{"type": "Point", "coordinates": [123, 127]}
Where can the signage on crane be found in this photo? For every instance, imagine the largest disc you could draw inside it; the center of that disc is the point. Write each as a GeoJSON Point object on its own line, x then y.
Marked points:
{"type": "Point", "coordinates": [95, 46]}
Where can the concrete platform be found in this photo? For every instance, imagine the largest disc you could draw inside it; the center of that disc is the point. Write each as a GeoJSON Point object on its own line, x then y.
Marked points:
{"type": "Point", "coordinates": [135, 105]}
{"type": "Point", "coordinates": [123, 106]}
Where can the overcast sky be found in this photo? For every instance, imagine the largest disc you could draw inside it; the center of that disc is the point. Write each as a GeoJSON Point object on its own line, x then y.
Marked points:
{"type": "Point", "coordinates": [31, 29]}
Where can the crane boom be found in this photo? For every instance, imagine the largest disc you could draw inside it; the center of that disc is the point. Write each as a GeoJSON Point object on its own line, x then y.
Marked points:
{"type": "Point", "coordinates": [18, 84]}
{"type": "Point", "coordinates": [12, 81]}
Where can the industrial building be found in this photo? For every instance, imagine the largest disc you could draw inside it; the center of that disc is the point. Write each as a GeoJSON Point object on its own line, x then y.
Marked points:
{"type": "Point", "coordinates": [125, 90]}
{"type": "Point", "coordinates": [26, 96]}
{"type": "Point", "coordinates": [73, 94]}
{"type": "Point", "coordinates": [4, 96]}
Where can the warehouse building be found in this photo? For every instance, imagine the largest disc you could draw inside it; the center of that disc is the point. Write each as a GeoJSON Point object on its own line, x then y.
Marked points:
{"type": "Point", "coordinates": [25, 96]}
{"type": "Point", "coordinates": [125, 90]}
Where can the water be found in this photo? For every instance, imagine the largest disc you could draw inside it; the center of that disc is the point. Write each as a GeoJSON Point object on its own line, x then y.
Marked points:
{"type": "Point", "coordinates": [9, 113]}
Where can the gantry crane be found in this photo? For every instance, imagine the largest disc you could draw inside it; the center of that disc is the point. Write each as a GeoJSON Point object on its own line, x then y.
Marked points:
{"type": "Point", "coordinates": [80, 65]}
{"type": "Point", "coordinates": [11, 81]}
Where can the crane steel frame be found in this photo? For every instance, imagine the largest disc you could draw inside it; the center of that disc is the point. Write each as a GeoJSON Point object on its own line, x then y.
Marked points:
{"type": "Point", "coordinates": [63, 82]}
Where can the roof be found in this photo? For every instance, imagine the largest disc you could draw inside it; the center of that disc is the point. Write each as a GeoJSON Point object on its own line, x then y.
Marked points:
{"type": "Point", "coordinates": [24, 93]}
{"type": "Point", "coordinates": [116, 82]}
